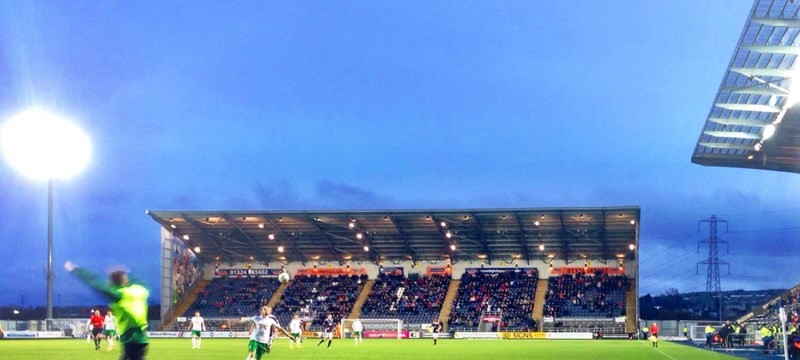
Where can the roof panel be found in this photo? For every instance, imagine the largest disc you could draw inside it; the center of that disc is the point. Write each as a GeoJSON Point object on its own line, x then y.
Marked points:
{"type": "Point", "coordinates": [491, 234]}
{"type": "Point", "coordinates": [756, 92]}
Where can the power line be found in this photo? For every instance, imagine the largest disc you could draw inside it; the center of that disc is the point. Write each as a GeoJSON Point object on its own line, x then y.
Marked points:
{"type": "Point", "coordinates": [786, 229]}
{"type": "Point", "coordinates": [655, 268]}
{"type": "Point", "coordinates": [676, 243]}
{"type": "Point", "coordinates": [663, 285]}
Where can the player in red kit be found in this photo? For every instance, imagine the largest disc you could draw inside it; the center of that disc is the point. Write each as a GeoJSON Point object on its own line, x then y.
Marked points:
{"type": "Point", "coordinates": [96, 321]}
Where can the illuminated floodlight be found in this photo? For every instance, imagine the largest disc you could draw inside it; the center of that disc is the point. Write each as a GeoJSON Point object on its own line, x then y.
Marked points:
{"type": "Point", "coordinates": [44, 146]}
{"type": "Point", "coordinates": [769, 131]}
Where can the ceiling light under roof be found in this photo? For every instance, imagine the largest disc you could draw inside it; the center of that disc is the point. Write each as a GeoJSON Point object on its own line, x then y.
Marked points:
{"type": "Point", "coordinates": [366, 248]}
{"type": "Point", "coordinates": [359, 236]}
{"type": "Point", "coordinates": [185, 237]}
{"type": "Point", "coordinates": [280, 249]}
{"type": "Point", "coordinates": [261, 225]}
{"type": "Point", "coordinates": [453, 247]}
{"type": "Point", "coordinates": [196, 249]}
{"type": "Point", "coordinates": [541, 247]}
{"type": "Point", "coordinates": [271, 236]}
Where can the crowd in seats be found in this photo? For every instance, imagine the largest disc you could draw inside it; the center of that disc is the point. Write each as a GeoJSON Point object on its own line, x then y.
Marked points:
{"type": "Point", "coordinates": [415, 300]}
{"type": "Point", "coordinates": [582, 295]}
{"type": "Point", "coordinates": [316, 296]}
{"type": "Point", "coordinates": [511, 292]}
{"type": "Point", "coordinates": [233, 296]}
{"type": "Point", "coordinates": [788, 300]}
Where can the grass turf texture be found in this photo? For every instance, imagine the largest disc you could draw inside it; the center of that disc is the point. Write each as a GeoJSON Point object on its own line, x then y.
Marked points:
{"type": "Point", "coordinates": [236, 349]}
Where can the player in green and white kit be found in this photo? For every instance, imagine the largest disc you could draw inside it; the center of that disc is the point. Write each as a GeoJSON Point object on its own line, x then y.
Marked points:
{"type": "Point", "coordinates": [198, 325]}
{"type": "Point", "coordinates": [358, 328]}
{"type": "Point", "coordinates": [263, 331]}
{"type": "Point", "coordinates": [110, 326]}
{"type": "Point", "coordinates": [128, 303]}
{"type": "Point", "coordinates": [295, 328]}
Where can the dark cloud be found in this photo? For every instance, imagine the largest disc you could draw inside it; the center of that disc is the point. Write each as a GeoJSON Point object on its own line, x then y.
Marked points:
{"type": "Point", "coordinates": [278, 195]}
{"type": "Point", "coordinates": [334, 194]}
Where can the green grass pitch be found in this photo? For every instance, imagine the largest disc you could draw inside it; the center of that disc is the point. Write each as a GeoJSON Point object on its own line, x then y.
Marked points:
{"type": "Point", "coordinates": [236, 349]}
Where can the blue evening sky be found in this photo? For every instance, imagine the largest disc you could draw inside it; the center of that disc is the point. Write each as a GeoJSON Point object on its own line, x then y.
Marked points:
{"type": "Point", "coordinates": [244, 105]}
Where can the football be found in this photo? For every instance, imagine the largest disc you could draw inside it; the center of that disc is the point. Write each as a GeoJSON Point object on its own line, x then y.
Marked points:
{"type": "Point", "coordinates": [283, 277]}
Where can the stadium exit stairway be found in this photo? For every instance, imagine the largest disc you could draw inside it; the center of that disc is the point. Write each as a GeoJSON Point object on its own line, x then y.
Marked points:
{"type": "Point", "coordinates": [190, 298]}
{"type": "Point", "coordinates": [447, 306]}
{"type": "Point", "coordinates": [277, 295]}
{"type": "Point", "coordinates": [362, 298]}
{"type": "Point", "coordinates": [630, 308]}
{"type": "Point", "coordinates": [538, 301]}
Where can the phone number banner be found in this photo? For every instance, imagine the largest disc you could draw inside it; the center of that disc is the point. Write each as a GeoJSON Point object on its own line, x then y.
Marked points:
{"type": "Point", "coordinates": [247, 272]}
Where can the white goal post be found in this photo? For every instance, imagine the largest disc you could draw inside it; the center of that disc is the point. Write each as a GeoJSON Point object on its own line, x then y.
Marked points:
{"type": "Point", "coordinates": [393, 328]}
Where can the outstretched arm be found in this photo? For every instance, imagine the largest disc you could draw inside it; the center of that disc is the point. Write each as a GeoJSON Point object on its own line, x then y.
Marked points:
{"type": "Point", "coordinates": [92, 280]}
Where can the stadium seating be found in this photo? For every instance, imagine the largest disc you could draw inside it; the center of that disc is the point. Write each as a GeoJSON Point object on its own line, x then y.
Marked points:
{"type": "Point", "coordinates": [415, 300]}
{"type": "Point", "coordinates": [585, 303]}
{"type": "Point", "coordinates": [511, 292]}
{"type": "Point", "coordinates": [233, 297]}
{"type": "Point", "coordinates": [316, 296]}
{"type": "Point", "coordinates": [597, 295]}
{"type": "Point", "coordinates": [788, 300]}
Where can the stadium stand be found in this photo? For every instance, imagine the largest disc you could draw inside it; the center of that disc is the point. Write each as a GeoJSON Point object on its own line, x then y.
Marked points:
{"type": "Point", "coordinates": [233, 296]}
{"type": "Point", "coordinates": [580, 302]}
{"type": "Point", "coordinates": [511, 291]}
{"type": "Point", "coordinates": [769, 312]}
{"type": "Point", "coordinates": [415, 300]}
{"type": "Point", "coordinates": [316, 296]}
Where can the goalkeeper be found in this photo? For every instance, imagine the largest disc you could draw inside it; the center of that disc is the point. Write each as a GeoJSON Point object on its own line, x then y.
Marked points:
{"type": "Point", "coordinates": [128, 303]}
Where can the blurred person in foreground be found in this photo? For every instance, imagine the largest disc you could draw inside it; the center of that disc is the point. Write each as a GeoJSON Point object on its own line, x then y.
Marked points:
{"type": "Point", "coordinates": [128, 301]}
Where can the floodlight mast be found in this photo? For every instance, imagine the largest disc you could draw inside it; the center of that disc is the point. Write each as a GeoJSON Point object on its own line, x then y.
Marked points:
{"type": "Point", "coordinates": [44, 146]}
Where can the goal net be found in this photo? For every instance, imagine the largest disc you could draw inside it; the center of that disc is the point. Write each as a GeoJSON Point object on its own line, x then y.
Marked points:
{"type": "Point", "coordinates": [375, 328]}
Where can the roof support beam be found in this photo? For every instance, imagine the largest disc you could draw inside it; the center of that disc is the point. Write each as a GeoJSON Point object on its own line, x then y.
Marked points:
{"type": "Point", "coordinates": [735, 121]}
{"type": "Point", "coordinates": [373, 253]}
{"type": "Point", "coordinates": [749, 107]}
{"type": "Point", "coordinates": [300, 255]}
{"type": "Point", "coordinates": [772, 49]}
{"type": "Point", "coordinates": [795, 23]}
{"type": "Point", "coordinates": [482, 238]}
{"type": "Point", "coordinates": [727, 146]}
{"type": "Point", "coordinates": [448, 242]}
{"type": "Point", "coordinates": [257, 249]}
{"type": "Point", "coordinates": [404, 237]}
{"type": "Point", "coordinates": [523, 239]}
{"type": "Point", "coordinates": [336, 252]}
{"type": "Point", "coordinates": [732, 134]}
{"type": "Point", "coordinates": [604, 237]}
{"type": "Point", "coordinates": [764, 91]}
{"type": "Point", "coordinates": [208, 238]}
{"type": "Point", "coordinates": [564, 237]}
{"type": "Point", "coordinates": [785, 73]}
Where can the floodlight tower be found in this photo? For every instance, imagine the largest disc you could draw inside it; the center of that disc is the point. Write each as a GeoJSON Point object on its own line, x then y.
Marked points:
{"type": "Point", "coordinates": [713, 262]}
{"type": "Point", "coordinates": [43, 146]}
